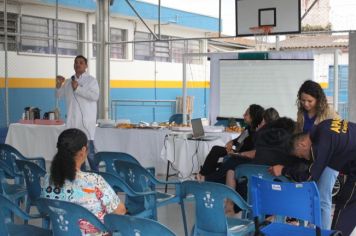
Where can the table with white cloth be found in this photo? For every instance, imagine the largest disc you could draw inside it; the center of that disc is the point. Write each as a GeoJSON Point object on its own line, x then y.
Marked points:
{"type": "Point", "coordinates": [34, 140]}
{"type": "Point", "coordinates": [186, 155]}
{"type": "Point", "coordinates": [143, 143]}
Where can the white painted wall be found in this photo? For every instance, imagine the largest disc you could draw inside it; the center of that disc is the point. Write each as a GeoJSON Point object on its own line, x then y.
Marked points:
{"type": "Point", "coordinates": [322, 60]}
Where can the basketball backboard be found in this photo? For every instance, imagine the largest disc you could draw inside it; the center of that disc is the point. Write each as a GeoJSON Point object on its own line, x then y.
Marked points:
{"type": "Point", "coordinates": [283, 16]}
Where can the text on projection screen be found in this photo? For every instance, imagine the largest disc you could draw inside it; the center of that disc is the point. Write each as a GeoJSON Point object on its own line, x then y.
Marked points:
{"type": "Point", "coordinates": [269, 83]}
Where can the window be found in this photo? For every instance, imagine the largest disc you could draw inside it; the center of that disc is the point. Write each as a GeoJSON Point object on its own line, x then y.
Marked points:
{"type": "Point", "coordinates": [116, 50]}
{"type": "Point", "coordinates": [68, 31]}
{"type": "Point", "coordinates": [167, 51]}
{"type": "Point", "coordinates": [143, 51]}
{"type": "Point", "coordinates": [178, 51]}
{"type": "Point", "coordinates": [162, 50]}
{"type": "Point", "coordinates": [37, 34]}
{"type": "Point", "coordinates": [11, 28]}
{"type": "Point", "coordinates": [193, 47]}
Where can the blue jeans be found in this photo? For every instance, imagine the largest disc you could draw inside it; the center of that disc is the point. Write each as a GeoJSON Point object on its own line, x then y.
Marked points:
{"type": "Point", "coordinates": [325, 184]}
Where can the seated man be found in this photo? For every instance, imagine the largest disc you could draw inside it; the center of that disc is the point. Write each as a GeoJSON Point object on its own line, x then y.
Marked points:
{"type": "Point", "coordinates": [330, 144]}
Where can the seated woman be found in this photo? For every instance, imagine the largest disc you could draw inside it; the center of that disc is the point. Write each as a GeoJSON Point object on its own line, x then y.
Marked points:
{"type": "Point", "coordinates": [245, 142]}
{"type": "Point", "coordinates": [68, 183]}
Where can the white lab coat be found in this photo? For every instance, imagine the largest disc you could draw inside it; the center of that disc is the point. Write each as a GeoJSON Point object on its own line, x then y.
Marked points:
{"type": "Point", "coordinates": [81, 103]}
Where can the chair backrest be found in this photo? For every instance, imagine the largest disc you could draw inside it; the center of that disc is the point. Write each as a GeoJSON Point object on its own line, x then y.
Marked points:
{"type": "Point", "coordinates": [209, 205]}
{"type": "Point", "coordinates": [299, 200]}
{"type": "Point", "coordinates": [8, 171]}
{"type": "Point", "coordinates": [136, 176]}
{"type": "Point", "coordinates": [129, 225]}
{"type": "Point", "coordinates": [8, 206]}
{"type": "Point", "coordinates": [3, 133]}
{"type": "Point", "coordinates": [66, 216]}
{"type": "Point", "coordinates": [32, 174]}
{"type": "Point", "coordinates": [246, 171]}
{"type": "Point", "coordinates": [8, 154]}
{"type": "Point", "coordinates": [148, 207]}
{"type": "Point", "coordinates": [139, 179]}
{"type": "Point", "coordinates": [109, 157]}
{"type": "Point", "coordinates": [177, 118]}
{"type": "Point", "coordinates": [260, 171]}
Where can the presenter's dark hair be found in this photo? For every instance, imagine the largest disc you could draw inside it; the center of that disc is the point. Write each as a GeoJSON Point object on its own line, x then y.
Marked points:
{"type": "Point", "coordinates": [256, 112]}
{"type": "Point", "coordinates": [70, 141]}
{"type": "Point", "coordinates": [82, 57]}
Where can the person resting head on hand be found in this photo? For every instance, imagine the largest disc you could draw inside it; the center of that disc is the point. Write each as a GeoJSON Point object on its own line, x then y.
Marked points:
{"type": "Point", "coordinates": [67, 182]}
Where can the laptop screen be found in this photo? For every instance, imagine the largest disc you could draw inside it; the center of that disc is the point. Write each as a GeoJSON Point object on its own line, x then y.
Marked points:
{"type": "Point", "coordinates": [197, 126]}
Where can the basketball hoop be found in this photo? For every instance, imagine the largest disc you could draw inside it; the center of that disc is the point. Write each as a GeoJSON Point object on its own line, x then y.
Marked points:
{"type": "Point", "coordinates": [261, 36]}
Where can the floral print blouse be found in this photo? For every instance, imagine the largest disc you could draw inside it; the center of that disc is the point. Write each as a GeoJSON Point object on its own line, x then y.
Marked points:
{"type": "Point", "coordinates": [89, 190]}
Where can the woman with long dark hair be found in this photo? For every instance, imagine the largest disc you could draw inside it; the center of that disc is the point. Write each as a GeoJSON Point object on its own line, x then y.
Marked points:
{"type": "Point", "coordinates": [68, 183]}
{"type": "Point", "coordinates": [245, 142]}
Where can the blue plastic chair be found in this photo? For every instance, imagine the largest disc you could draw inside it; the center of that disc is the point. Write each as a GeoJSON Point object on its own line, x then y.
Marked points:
{"type": "Point", "coordinates": [210, 218]}
{"type": "Point", "coordinates": [9, 154]}
{"type": "Point", "coordinates": [177, 118]}
{"type": "Point", "coordinates": [3, 133]}
{"type": "Point", "coordinates": [32, 174]}
{"type": "Point", "coordinates": [65, 216]}
{"type": "Point", "coordinates": [129, 225]}
{"type": "Point", "coordinates": [8, 227]}
{"type": "Point", "coordinates": [109, 157]}
{"type": "Point", "coordinates": [141, 180]}
{"type": "Point", "coordinates": [299, 200]}
{"type": "Point", "coordinates": [150, 207]}
{"type": "Point", "coordinates": [246, 171]}
{"type": "Point", "coordinates": [222, 123]}
{"type": "Point", "coordinates": [15, 192]}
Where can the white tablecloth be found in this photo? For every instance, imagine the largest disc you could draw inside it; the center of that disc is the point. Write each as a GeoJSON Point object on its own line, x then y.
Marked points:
{"type": "Point", "coordinates": [34, 140]}
{"type": "Point", "coordinates": [144, 144]}
{"type": "Point", "coordinates": [186, 155]}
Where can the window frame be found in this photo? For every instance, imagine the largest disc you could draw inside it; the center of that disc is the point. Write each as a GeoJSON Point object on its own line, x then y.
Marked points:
{"type": "Point", "coordinates": [49, 39]}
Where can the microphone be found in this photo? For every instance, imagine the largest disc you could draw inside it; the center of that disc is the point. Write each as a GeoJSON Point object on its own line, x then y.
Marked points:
{"type": "Point", "coordinates": [73, 79]}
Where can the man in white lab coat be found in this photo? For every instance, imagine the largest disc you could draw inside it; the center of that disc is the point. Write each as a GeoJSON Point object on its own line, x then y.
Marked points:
{"type": "Point", "coordinates": [81, 94]}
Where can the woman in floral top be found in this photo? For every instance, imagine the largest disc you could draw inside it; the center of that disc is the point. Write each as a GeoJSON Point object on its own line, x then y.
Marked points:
{"type": "Point", "coordinates": [68, 183]}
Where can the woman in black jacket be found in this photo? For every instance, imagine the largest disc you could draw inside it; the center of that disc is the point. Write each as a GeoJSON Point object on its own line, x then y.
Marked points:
{"type": "Point", "coordinates": [245, 142]}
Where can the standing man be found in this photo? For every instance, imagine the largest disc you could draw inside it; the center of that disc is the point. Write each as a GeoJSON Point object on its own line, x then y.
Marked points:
{"type": "Point", "coordinates": [331, 144]}
{"type": "Point", "coordinates": [81, 93]}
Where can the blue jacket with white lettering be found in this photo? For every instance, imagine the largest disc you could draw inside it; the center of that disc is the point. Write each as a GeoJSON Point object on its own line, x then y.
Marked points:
{"type": "Point", "coordinates": [333, 145]}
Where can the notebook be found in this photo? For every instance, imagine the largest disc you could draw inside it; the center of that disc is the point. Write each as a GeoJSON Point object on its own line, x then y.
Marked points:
{"type": "Point", "coordinates": [198, 131]}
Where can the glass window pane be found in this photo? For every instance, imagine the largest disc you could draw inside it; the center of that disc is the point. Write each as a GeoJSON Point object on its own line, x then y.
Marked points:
{"type": "Point", "coordinates": [35, 27]}
{"type": "Point", "coordinates": [177, 51]}
{"type": "Point", "coordinates": [11, 28]}
{"type": "Point", "coordinates": [143, 51]}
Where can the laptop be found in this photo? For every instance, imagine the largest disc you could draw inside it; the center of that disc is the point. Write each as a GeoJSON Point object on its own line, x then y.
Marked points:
{"type": "Point", "coordinates": [198, 131]}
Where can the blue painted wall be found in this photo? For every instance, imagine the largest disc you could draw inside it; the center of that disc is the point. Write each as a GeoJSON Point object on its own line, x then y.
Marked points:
{"type": "Point", "coordinates": [45, 100]}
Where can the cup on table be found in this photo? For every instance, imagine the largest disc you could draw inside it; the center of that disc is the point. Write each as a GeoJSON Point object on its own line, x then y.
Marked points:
{"type": "Point", "coordinates": [51, 116]}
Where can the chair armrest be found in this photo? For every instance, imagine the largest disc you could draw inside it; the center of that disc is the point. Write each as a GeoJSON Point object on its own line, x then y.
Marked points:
{"type": "Point", "coordinates": [238, 200]}
{"type": "Point", "coordinates": [162, 182]}
{"type": "Point", "coordinates": [152, 170]}
{"type": "Point", "coordinates": [40, 161]}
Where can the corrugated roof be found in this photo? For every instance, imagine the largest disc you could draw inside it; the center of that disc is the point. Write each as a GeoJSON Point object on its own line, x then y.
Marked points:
{"type": "Point", "coordinates": [245, 42]}
{"type": "Point", "coordinates": [315, 41]}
